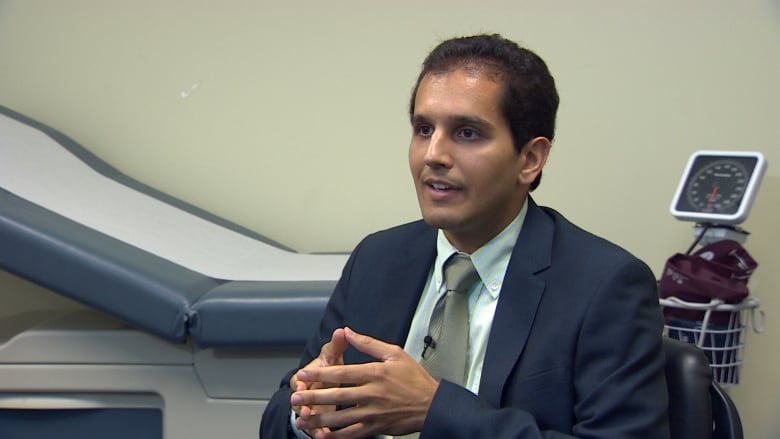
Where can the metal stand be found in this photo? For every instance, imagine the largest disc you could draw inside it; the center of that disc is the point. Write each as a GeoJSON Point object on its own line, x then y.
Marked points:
{"type": "Point", "coordinates": [724, 345]}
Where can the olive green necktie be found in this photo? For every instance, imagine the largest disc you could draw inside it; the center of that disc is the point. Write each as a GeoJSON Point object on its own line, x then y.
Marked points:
{"type": "Point", "coordinates": [446, 353]}
{"type": "Point", "coordinates": [446, 347]}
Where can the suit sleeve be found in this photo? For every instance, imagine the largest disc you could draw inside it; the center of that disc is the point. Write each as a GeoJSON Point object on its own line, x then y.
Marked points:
{"type": "Point", "coordinates": [617, 373]}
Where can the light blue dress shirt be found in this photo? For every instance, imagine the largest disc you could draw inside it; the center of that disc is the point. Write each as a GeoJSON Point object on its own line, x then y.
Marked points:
{"type": "Point", "coordinates": [490, 261]}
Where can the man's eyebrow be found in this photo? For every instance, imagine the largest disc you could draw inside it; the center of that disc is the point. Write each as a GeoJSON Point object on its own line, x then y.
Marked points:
{"type": "Point", "coordinates": [417, 119]}
{"type": "Point", "coordinates": [455, 120]}
{"type": "Point", "coordinates": [469, 120]}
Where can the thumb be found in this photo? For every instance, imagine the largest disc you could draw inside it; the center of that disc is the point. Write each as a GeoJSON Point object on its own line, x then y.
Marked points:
{"type": "Point", "coordinates": [333, 351]}
{"type": "Point", "coordinates": [371, 346]}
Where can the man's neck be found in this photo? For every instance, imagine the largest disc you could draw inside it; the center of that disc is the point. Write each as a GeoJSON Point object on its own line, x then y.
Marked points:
{"type": "Point", "coordinates": [469, 242]}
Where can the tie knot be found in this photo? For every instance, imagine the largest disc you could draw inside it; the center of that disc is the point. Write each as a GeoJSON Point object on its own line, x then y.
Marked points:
{"type": "Point", "coordinates": [459, 273]}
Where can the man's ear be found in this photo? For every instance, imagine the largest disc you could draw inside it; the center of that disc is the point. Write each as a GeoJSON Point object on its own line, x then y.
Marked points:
{"type": "Point", "coordinates": [534, 156]}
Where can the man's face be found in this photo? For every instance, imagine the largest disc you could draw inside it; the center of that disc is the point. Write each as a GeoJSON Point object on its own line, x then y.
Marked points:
{"type": "Point", "coordinates": [465, 167]}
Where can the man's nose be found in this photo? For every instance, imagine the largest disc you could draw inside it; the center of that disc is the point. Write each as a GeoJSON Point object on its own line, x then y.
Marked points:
{"type": "Point", "coordinates": [439, 151]}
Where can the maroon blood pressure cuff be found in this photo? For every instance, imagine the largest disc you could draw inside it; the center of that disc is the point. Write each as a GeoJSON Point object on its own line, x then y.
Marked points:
{"type": "Point", "coordinates": [716, 271]}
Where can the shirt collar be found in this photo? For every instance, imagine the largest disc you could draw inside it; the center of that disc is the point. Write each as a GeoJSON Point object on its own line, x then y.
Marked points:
{"type": "Point", "coordinates": [490, 260]}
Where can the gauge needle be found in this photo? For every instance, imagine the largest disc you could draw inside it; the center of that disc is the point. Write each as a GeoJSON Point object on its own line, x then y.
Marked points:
{"type": "Point", "coordinates": [712, 196]}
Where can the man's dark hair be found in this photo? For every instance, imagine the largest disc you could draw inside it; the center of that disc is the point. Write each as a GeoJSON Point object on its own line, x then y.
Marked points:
{"type": "Point", "coordinates": [529, 100]}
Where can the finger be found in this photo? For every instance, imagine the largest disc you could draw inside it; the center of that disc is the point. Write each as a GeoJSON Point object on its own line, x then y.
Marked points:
{"type": "Point", "coordinates": [332, 352]}
{"type": "Point", "coordinates": [354, 374]}
{"type": "Point", "coordinates": [299, 386]}
{"type": "Point", "coordinates": [315, 432]}
{"type": "Point", "coordinates": [346, 417]}
{"type": "Point", "coordinates": [308, 412]}
{"type": "Point", "coordinates": [319, 433]}
{"type": "Point", "coordinates": [310, 385]}
{"type": "Point", "coordinates": [310, 422]}
{"type": "Point", "coordinates": [353, 431]}
{"type": "Point", "coordinates": [373, 347]}
{"type": "Point", "coordinates": [338, 419]}
{"type": "Point", "coordinates": [328, 397]}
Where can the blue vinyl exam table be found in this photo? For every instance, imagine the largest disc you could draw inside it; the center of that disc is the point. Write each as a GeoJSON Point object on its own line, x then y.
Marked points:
{"type": "Point", "coordinates": [188, 321]}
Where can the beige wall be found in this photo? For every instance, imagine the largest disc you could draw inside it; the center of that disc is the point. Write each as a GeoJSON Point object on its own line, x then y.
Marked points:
{"type": "Point", "coordinates": [289, 117]}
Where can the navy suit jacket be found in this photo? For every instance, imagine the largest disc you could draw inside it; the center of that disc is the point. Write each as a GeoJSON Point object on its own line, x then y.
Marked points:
{"type": "Point", "coordinates": [574, 349]}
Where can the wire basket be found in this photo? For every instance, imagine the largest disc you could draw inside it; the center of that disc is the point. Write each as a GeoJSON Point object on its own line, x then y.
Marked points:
{"type": "Point", "coordinates": [723, 342]}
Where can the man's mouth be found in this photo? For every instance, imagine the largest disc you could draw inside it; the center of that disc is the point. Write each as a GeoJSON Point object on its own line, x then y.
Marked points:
{"type": "Point", "coordinates": [440, 186]}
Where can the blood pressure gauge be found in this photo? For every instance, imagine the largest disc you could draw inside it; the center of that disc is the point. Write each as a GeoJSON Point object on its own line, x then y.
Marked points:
{"type": "Point", "coordinates": [718, 187]}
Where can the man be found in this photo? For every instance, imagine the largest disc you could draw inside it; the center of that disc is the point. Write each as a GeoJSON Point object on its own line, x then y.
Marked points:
{"type": "Point", "coordinates": [564, 328]}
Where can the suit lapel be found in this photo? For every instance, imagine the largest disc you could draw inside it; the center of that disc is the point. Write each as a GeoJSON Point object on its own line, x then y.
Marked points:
{"type": "Point", "coordinates": [517, 304]}
{"type": "Point", "coordinates": [403, 285]}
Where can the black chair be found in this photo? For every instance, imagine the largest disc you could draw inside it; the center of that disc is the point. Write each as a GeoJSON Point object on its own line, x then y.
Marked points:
{"type": "Point", "coordinates": [698, 407]}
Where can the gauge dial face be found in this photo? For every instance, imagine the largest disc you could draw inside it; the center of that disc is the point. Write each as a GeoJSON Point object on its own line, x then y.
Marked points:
{"type": "Point", "coordinates": [718, 187]}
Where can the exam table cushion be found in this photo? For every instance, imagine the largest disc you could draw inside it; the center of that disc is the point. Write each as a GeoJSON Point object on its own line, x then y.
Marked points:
{"type": "Point", "coordinates": [95, 269]}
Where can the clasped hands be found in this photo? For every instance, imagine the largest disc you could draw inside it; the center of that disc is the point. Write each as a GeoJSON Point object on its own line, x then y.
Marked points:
{"type": "Point", "coordinates": [389, 396]}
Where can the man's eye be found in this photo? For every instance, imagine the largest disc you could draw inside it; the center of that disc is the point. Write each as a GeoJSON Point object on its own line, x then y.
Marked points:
{"type": "Point", "coordinates": [424, 130]}
{"type": "Point", "coordinates": [468, 133]}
